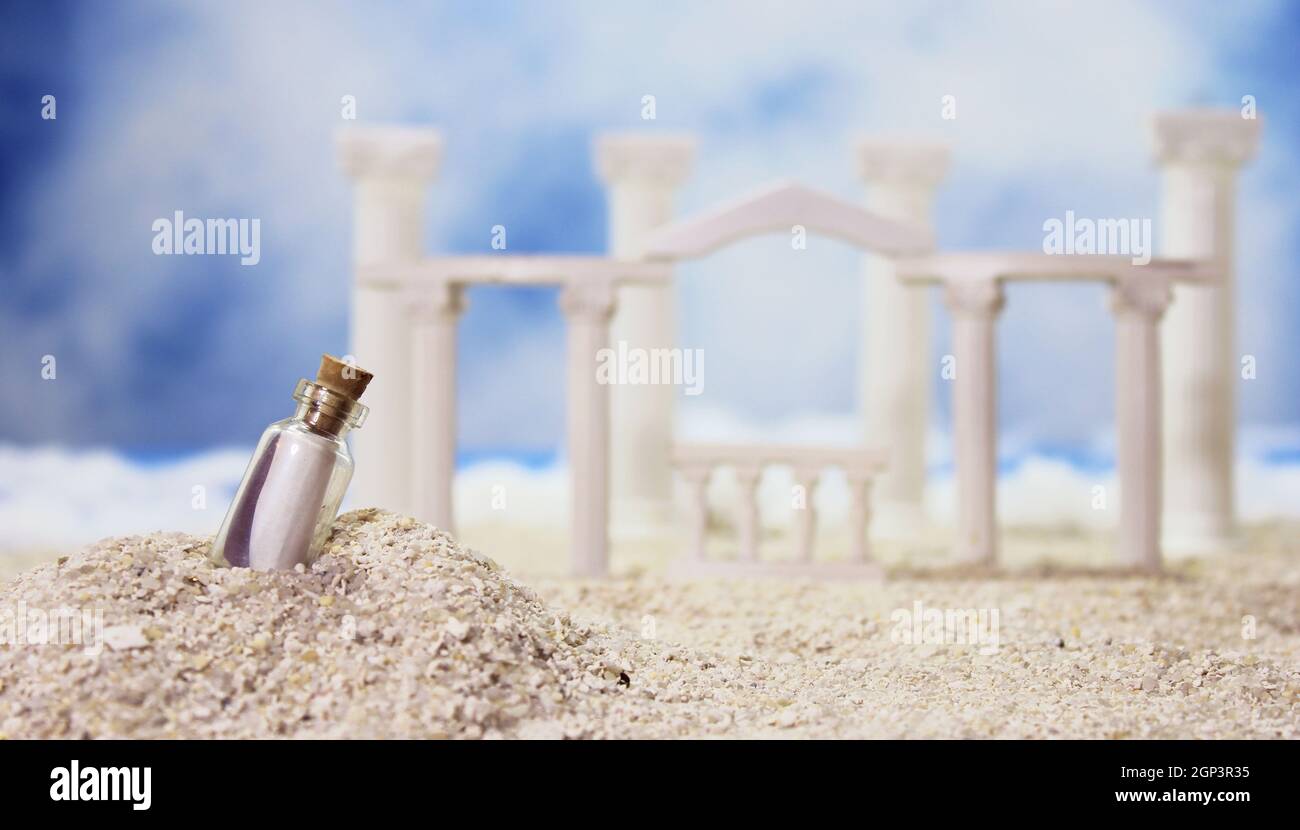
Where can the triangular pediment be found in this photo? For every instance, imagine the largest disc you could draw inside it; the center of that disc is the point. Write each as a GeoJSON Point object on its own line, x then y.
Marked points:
{"type": "Point", "coordinates": [779, 208]}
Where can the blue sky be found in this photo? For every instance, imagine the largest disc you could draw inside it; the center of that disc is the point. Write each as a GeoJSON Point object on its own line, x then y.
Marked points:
{"type": "Point", "coordinates": [231, 109]}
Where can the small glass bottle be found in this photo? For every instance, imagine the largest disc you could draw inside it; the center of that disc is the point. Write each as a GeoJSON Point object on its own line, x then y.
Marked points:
{"type": "Point", "coordinates": [294, 483]}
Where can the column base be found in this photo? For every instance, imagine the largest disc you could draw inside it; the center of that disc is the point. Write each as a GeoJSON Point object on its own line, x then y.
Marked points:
{"type": "Point", "coordinates": [1191, 535]}
{"type": "Point", "coordinates": [897, 521]}
{"type": "Point", "coordinates": [641, 518]}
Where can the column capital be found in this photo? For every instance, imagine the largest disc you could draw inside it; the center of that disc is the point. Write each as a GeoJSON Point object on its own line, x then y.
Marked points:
{"type": "Point", "coordinates": [1147, 297]}
{"type": "Point", "coordinates": [592, 299]}
{"type": "Point", "coordinates": [1207, 136]}
{"type": "Point", "coordinates": [649, 158]}
{"type": "Point", "coordinates": [390, 152]}
{"type": "Point", "coordinates": [895, 161]}
{"type": "Point", "coordinates": [974, 298]}
{"type": "Point", "coordinates": [431, 303]}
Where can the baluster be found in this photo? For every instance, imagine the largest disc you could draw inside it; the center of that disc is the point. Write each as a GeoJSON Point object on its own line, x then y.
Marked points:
{"type": "Point", "coordinates": [747, 510]}
{"type": "Point", "coordinates": [859, 516]}
{"type": "Point", "coordinates": [697, 482]}
{"type": "Point", "coordinates": [805, 520]}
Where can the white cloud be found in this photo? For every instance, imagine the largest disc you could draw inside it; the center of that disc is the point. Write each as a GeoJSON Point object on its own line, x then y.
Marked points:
{"type": "Point", "coordinates": [55, 500]}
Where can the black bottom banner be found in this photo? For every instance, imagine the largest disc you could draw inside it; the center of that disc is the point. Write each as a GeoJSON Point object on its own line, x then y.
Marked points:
{"type": "Point", "coordinates": [138, 780]}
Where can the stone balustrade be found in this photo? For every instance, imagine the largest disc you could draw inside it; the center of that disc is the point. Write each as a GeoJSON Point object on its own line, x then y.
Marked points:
{"type": "Point", "coordinates": [698, 463]}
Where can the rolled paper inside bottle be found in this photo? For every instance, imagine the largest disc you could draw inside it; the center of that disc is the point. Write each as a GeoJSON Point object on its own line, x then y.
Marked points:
{"type": "Point", "coordinates": [239, 528]}
{"type": "Point", "coordinates": [281, 515]}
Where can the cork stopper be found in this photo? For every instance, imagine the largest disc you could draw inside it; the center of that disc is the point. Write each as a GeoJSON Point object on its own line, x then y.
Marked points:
{"type": "Point", "coordinates": [346, 379]}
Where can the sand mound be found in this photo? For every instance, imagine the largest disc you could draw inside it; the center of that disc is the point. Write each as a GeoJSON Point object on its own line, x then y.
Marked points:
{"type": "Point", "coordinates": [395, 631]}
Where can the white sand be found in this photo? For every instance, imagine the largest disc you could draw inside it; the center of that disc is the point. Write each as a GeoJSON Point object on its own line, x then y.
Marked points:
{"type": "Point", "coordinates": [397, 631]}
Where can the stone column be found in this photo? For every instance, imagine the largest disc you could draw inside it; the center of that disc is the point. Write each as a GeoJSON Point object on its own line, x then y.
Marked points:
{"type": "Point", "coordinates": [588, 307]}
{"type": "Point", "coordinates": [1138, 305]}
{"type": "Point", "coordinates": [1200, 151]}
{"type": "Point", "coordinates": [975, 306]}
{"type": "Point", "coordinates": [391, 168]}
{"type": "Point", "coordinates": [896, 369]}
{"type": "Point", "coordinates": [435, 312]}
{"type": "Point", "coordinates": [642, 174]}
